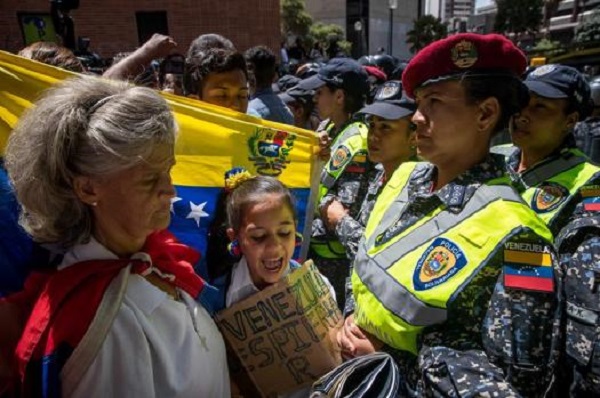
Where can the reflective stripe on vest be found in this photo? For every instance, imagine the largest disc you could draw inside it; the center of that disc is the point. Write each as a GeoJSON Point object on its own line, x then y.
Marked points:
{"type": "Point", "coordinates": [552, 185]}
{"type": "Point", "coordinates": [397, 290]}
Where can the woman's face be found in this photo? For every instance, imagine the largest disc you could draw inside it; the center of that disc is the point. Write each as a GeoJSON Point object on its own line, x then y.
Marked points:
{"type": "Point", "coordinates": [446, 124]}
{"type": "Point", "coordinates": [542, 125]}
{"type": "Point", "coordinates": [267, 239]}
{"type": "Point", "coordinates": [390, 141]}
{"type": "Point", "coordinates": [327, 102]}
{"type": "Point", "coordinates": [132, 203]}
{"type": "Point", "coordinates": [226, 89]}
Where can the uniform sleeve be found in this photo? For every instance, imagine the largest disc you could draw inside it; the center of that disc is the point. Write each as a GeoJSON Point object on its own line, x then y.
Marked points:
{"type": "Point", "coordinates": [521, 328]}
{"type": "Point", "coordinates": [581, 263]}
{"type": "Point", "coordinates": [349, 231]}
{"type": "Point", "coordinates": [446, 372]}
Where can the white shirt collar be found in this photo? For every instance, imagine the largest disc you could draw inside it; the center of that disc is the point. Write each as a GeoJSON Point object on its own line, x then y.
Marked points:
{"type": "Point", "coordinates": [92, 250]}
{"type": "Point", "coordinates": [241, 285]}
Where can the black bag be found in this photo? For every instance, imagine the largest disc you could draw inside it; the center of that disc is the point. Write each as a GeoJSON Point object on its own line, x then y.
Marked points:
{"type": "Point", "coordinates": [374, 375]}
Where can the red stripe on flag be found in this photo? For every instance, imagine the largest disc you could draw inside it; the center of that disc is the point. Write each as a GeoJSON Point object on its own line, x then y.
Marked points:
{"type": "Point", "coordinates": [591, 206]}
{"type": "Point", "coordinates": [529, 283]}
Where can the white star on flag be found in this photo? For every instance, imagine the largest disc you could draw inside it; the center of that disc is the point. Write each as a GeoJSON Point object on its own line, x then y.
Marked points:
{"type": "Point", "coordinates": [173, 201]}
{"type": "Point", "coordinates": [197, 212]}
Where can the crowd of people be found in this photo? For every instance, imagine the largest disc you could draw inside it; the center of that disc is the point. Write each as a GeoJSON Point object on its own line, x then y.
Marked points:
{"type": "Point", "coordinates": [462, 268]}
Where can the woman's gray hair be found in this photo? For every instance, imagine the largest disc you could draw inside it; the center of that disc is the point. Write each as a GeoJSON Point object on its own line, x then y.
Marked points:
{"type": "Point", "coordinates": [83, 127]}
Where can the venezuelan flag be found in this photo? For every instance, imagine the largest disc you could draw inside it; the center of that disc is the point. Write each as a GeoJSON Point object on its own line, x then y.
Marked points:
{"type": "Point", "coordinates": [211, 140]}
{"type": "Point", "coordinates": [591, 198]}
{"type": "Point", "coordinates": [528, 270]}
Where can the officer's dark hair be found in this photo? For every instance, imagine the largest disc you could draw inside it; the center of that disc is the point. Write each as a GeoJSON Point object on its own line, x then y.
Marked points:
{"type": "Point", "coordinates": [263, 64]}
{"type": "Point", "coordinates": [353, 101]}
{"type": "Point", "coordinates": [212, 61]}
{"type": "Point", "coordinates": [511, 93]}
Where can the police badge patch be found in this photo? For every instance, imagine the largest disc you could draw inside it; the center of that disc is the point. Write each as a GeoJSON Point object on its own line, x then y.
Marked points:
{"type": "Point", "coordinates": [340, 157]}
{"type": "Point", "coordinates": [442, 260]}
{"type": "Point", "coordinates": [464, 54]}
{"type": "Point", "coordinates": [269, 150]}
{"type": "Point", "coordinates": [548, 197]}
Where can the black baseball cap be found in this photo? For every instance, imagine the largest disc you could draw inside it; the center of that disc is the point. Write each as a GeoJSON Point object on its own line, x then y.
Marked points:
{"type": "Point", "coordinates": [344, 73]}
{"type": "Point", "coordinates": [560, 81]}
{"type": "Point", "coordinates": [390, 102]}
{"type": "Point", "coordinates": [287, 81]}
{"type": "Point", "coordinates": [297, 93]}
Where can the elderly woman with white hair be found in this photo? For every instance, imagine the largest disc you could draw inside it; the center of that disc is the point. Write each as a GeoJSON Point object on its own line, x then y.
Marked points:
{"type": "Point", "coordinates": [122, 314]}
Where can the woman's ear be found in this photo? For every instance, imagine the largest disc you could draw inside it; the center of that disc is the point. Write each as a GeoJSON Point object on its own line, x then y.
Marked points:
{"type": "Point", "coordinates": [340, 95]}
{"type": "Point", "coordinates": [86, 190]}
{"type": "Point", "coordinates": [489, 114]}
{"type": "Point", "coordinates": [230, 233]}
{"type": "Point", "coordinates": [572, 120]}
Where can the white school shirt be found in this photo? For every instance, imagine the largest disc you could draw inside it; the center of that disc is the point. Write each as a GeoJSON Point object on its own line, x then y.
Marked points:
{"type": "Point", "coordinates": [155, 347]}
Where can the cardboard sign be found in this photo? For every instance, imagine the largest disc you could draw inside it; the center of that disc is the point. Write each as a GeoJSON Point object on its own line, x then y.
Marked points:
{"type": "Point", "coordinates": [284, 336]}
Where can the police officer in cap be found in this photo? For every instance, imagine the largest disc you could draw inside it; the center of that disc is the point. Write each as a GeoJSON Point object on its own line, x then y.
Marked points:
{"type": "Point", "coordinates": [456, 276]}
{"type": "Point", "coordinates": [391, 141]}
{"type": "Point", "coordinates": [340, 91]}
{"type": "Point", "coordinates": [545, 161]}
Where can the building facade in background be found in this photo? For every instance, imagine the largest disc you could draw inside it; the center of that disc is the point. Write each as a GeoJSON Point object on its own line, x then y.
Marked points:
{"type": "Point", "coordinates": [455, 13]}
{"type": "Point", "coordinates": [114, 26]}
{"type": "Point", "coordinates": [367, 23]}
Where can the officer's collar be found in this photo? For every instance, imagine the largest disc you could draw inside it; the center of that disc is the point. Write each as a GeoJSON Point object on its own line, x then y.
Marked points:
{"type": "Point", "coordinates": [568, 143]}
{"type": "Point", "coordinates": [457, 192]}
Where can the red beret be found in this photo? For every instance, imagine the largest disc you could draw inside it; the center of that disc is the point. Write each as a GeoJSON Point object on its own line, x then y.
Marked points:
{"type": "Point", "coordinates": [464, 52]}
{"type": "Point", "coordinates": [376, 72]}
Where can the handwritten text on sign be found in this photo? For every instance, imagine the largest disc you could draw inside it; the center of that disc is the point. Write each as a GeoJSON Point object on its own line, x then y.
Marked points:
{"type": "Point", "coordinates": [284, 334]}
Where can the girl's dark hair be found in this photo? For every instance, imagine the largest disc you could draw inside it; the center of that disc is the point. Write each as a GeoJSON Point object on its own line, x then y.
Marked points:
{"type": "Point", "coordinates": [211, 61]}
{"type": "Point", "coordinates": [251, 192]}
{"type": "Point", "coordinates": [229, 214]}
{"type": "Point", "coordinates": [509, 90]}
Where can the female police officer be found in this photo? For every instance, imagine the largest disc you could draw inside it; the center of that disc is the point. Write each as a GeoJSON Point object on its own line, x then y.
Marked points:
{"type": "Point", "coordinates": [454, 266]}
{"type": "Point", "coordinates": [545, 160]}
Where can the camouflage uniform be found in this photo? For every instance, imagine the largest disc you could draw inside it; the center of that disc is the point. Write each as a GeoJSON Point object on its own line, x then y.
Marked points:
{"type": "Point", "coordinates": [350, 230]}
{"type": "Point", "coordinates": [579, 249]}
{"type": "Point", "coordinates": [489, 325]}
{"type": "Point", "coordinates": [350, 189]}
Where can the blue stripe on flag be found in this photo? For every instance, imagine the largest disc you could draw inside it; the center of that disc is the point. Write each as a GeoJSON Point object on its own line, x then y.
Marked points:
{"type": "Point", "coordinates": [521, 270]}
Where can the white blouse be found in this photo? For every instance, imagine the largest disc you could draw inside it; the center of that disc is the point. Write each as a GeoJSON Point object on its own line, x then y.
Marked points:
{"type": "Point", "coordinates": [155, 347]}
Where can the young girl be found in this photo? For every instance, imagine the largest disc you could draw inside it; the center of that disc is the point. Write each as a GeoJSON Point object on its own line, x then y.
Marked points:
{"type": "Point", "coordinates": [261, 225]}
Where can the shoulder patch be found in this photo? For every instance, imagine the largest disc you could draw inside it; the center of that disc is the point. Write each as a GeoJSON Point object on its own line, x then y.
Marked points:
{"type": "Point", "coordinates": [528, 266]}
{"type": "Point", "coordinates": [440, 261]}
{"type": "Point", "coordinates": [339, 158]}
{"type": "Point", "coordinates": [548, 196]}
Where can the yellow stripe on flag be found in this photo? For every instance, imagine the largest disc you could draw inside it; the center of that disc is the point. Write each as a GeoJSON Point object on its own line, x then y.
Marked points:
{"type": "Point", "coordinates": [528, 258]}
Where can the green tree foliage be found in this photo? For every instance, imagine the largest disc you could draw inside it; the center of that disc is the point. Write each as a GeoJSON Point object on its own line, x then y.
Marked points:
{"type": "Point", "coordinates": [426, 29]}
{"type": "Point", "coordinates": [547, 48]}
{"type": "Point", "coordinates": [294, 18]}
{"type": "Point", "coordinates": [327, 34]}
{"type": "Point", "coordinates": [519, 16]}
{"type": "Point", "coordinates": [589, 30]}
